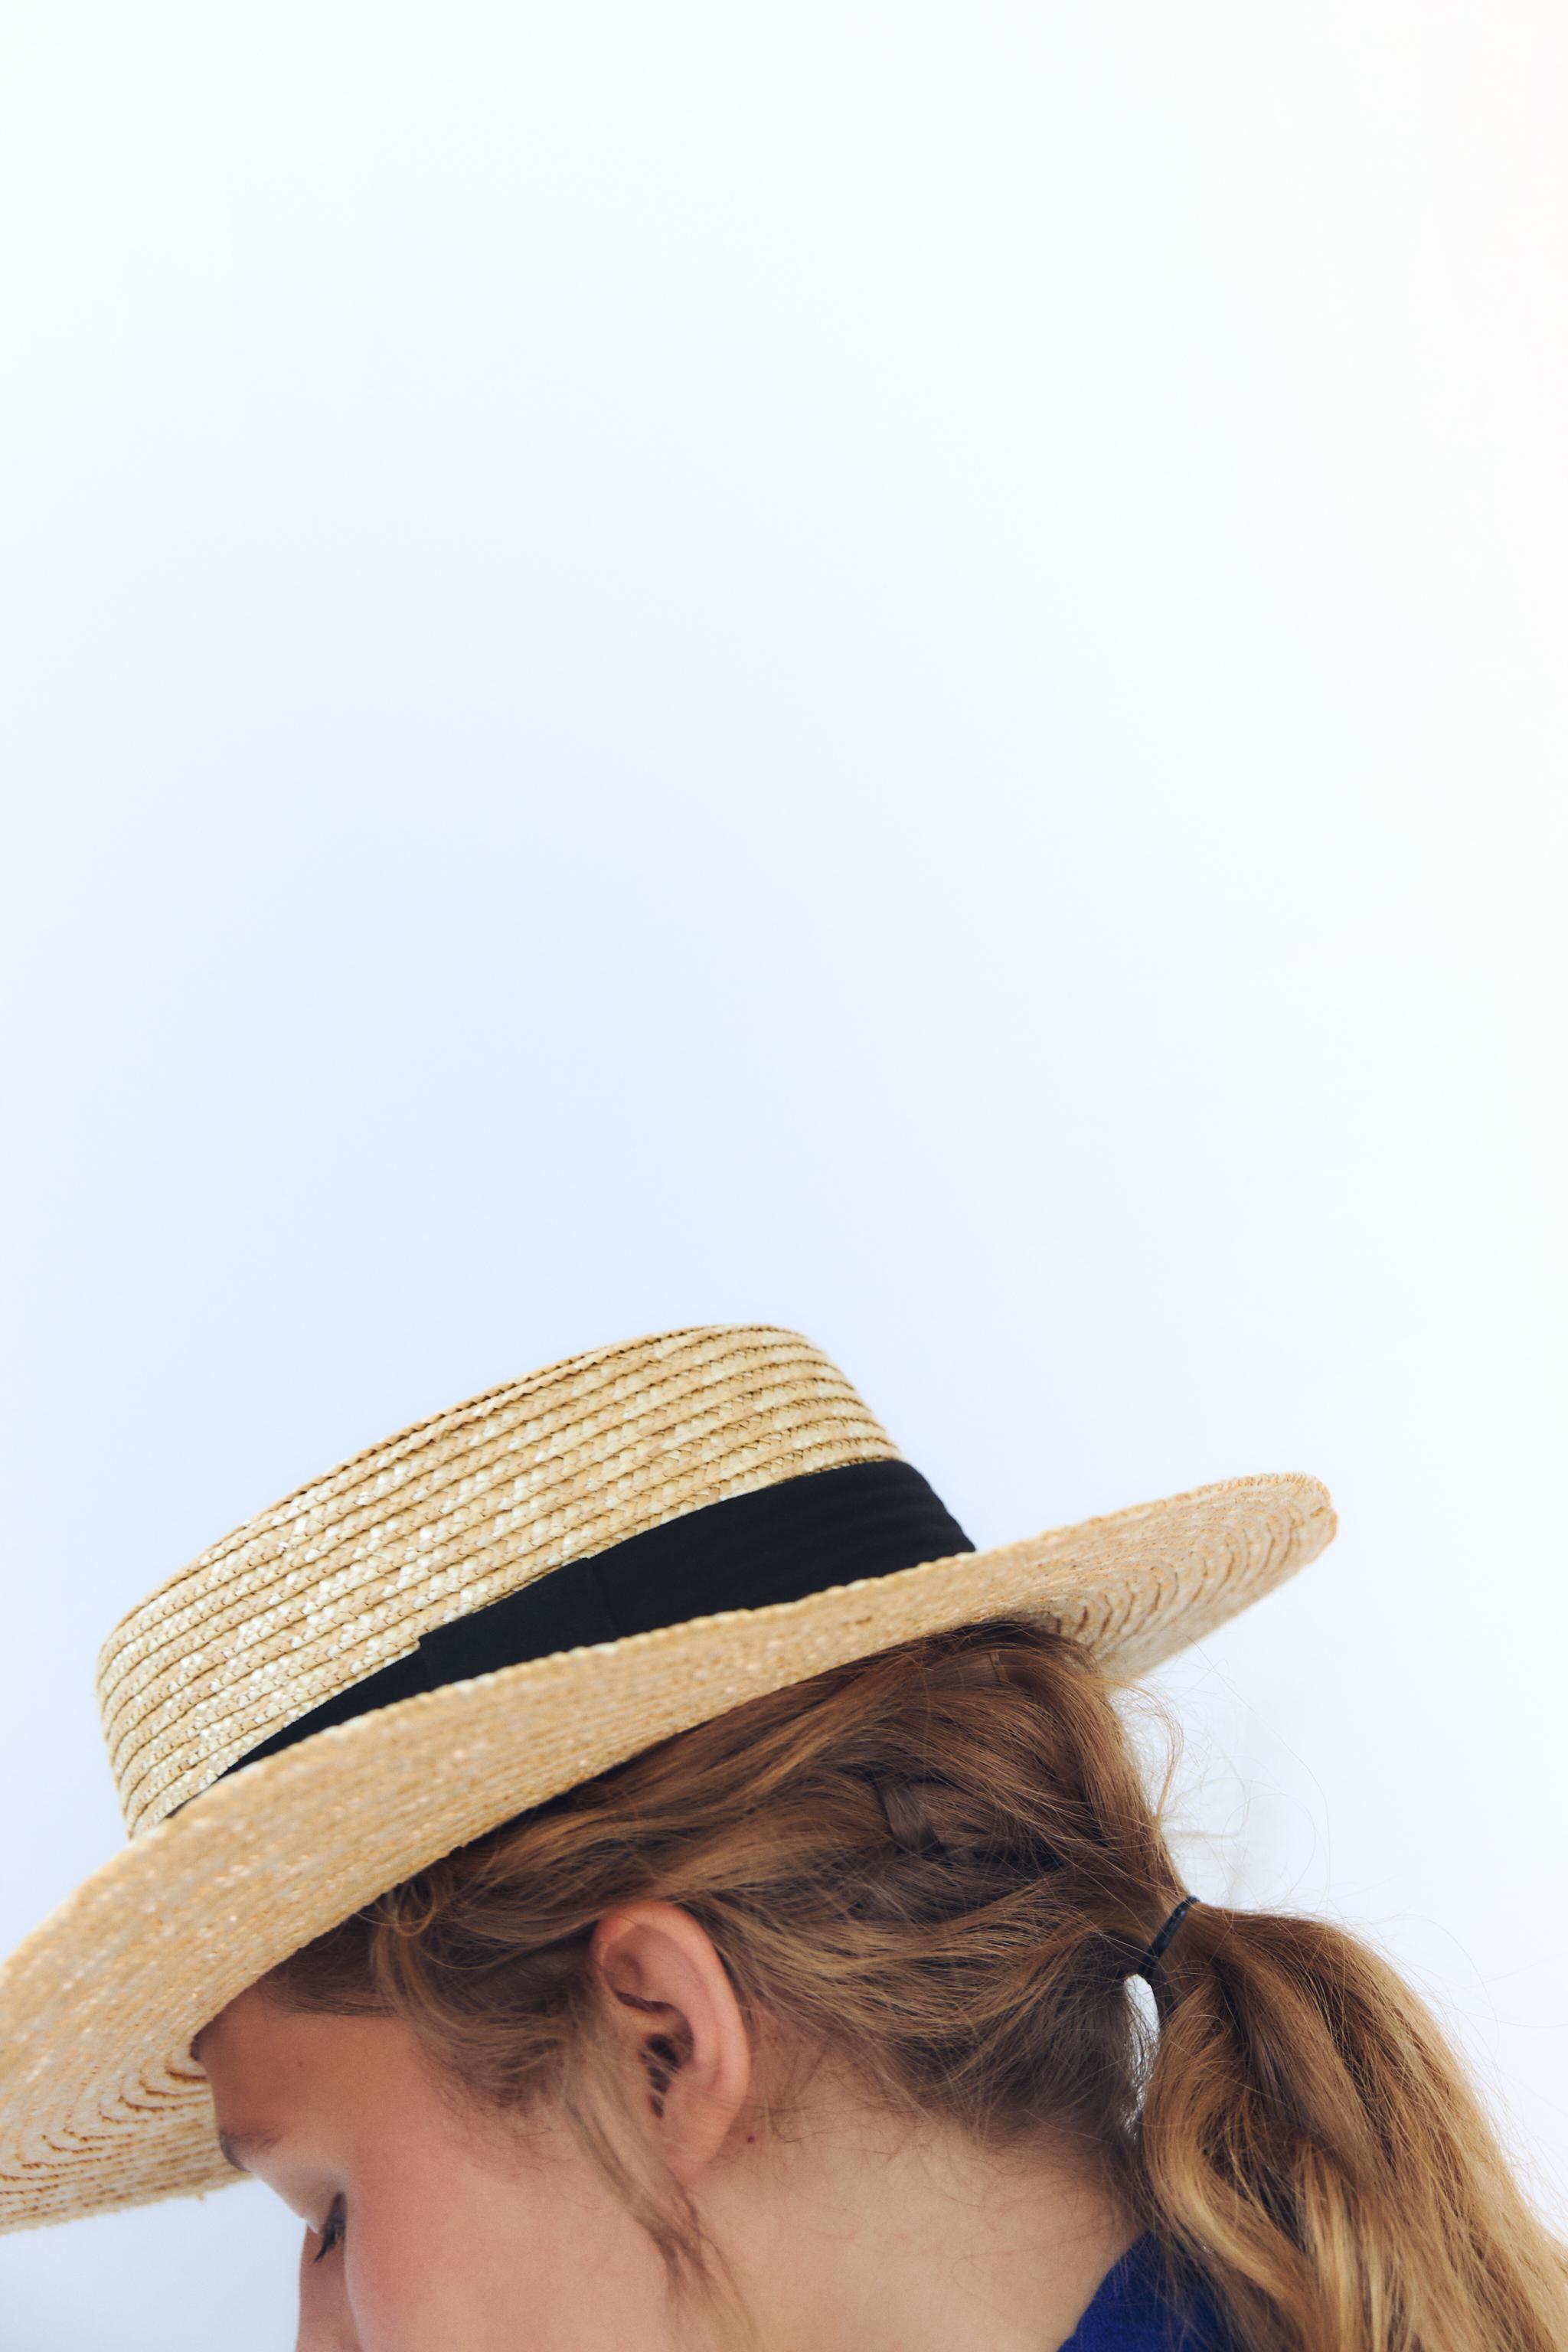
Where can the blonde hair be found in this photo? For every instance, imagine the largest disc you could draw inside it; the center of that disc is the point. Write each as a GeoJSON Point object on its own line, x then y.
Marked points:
{"type": "Point", "coordinates": [941, 1863]}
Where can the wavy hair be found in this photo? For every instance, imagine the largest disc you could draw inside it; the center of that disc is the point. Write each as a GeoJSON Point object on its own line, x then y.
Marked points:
{"type": "Point", "coordinates": [940, 1865]}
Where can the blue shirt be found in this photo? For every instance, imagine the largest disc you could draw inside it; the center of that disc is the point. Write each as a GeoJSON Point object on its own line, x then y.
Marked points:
{"type": "Point", "coordinates": [1132, 2312]}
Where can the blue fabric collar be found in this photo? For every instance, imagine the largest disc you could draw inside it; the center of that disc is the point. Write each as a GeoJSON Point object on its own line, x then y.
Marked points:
{"type": "Point", "coordinates": [1133, 2311]}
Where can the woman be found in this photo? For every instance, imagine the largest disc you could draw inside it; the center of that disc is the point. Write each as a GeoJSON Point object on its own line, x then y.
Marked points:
{"type": "Point", "coordinates": [628, 1873]}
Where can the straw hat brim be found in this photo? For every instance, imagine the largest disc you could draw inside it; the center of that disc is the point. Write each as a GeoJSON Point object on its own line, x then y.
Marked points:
{"type": "Point", "coordinates": [101, 2104]}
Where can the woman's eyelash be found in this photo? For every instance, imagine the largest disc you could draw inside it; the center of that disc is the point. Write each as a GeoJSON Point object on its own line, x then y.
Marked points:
{"type": "Point", "coordinates": [333, 2229]}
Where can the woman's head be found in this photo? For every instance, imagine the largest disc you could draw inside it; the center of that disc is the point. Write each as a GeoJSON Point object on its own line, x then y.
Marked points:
{"type": "Point", "coordinates": [434, 2219]}
{"type": "Point", "coordinates": [639, 2033]}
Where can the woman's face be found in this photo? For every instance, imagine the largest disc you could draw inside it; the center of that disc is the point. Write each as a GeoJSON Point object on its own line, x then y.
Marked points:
{"type": "Point", "coordinates": [433, 2224]}
{"type": "Point", "coordinates": [428, 2224]}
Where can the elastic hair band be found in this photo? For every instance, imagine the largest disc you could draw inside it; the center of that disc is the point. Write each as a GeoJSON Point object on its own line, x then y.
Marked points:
{"type": "Point", "coordinates": [1150, 1961]}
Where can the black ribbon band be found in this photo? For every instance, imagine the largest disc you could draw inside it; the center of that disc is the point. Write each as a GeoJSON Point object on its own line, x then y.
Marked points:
{"type": "Point", "coordinates": [780, 1543]}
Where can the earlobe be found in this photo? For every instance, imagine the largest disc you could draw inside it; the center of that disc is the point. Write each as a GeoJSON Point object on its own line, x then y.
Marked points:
{"type": "Point", "coordinates": [671, 2004]}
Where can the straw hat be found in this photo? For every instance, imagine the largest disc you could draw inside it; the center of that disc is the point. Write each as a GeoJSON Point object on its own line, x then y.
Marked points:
{"type": "Point", "coordinates": [476, 1615]}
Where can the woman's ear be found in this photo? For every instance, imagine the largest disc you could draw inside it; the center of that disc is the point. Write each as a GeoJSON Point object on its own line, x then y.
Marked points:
{"type": "Point", "coordinates": [674, 2012]}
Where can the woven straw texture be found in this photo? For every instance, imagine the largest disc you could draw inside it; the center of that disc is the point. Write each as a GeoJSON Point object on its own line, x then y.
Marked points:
{"type": "Point", "coordinates": [100, 2105]}
{"type": "Point", "coordinates": [353, 1570]}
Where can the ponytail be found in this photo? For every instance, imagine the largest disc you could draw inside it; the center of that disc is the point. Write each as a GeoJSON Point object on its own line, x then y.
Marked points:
{"type": "Point", "coordinates": [1311, 2145]}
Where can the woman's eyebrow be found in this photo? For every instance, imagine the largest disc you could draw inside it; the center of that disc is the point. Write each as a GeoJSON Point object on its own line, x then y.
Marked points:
{"type": "Point", "coordinates": [237, 2146]}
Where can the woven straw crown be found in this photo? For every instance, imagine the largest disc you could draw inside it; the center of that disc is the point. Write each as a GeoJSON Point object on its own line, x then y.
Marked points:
{"type": "Point", "coordinates": [354, 1569]}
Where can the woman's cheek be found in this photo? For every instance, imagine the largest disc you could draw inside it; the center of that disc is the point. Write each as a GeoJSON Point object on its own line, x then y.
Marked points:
{"type": "Point", "coordinates": [450, 2247]}
{"type": "Point", "coordinates": [326, 2323]}
{"type": "Point", "coordinates": [421, 2273]}
{"type": "Point", "coordinates": [396, 2295]}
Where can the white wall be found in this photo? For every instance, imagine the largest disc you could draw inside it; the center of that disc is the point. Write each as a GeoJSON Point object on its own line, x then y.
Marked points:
{"type": "Point", "coordinates": [889, 667]}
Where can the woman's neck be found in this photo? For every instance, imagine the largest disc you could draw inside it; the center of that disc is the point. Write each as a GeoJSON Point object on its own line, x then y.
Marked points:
{"type": "Point", "coordinates": [873, 2240]}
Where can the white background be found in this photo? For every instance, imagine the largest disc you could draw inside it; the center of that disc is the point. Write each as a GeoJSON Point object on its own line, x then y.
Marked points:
{"type": "Point", "coordinates": [891, 667]}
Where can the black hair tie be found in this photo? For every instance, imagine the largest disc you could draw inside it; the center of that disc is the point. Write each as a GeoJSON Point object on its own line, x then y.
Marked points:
{"type": "Point", "coordinates": [1150, 1960]}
